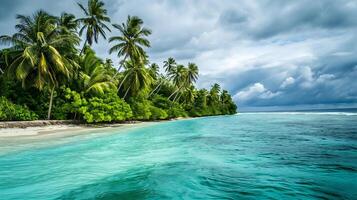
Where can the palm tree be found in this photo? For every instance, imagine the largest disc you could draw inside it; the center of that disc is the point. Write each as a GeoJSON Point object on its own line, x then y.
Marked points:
{"type": "Point", "coordinates": [201, 98]}
{"type": "Point", "coordinates": [189, 95]}
{"type": "Point", "coordinates": [154, 70]}
{"type": "Point", "coordinates": [68, 22]}
{"type": "Point", "coordinates": [95, 76]}
{"type": "Point", "coordinates": [137, 78]}
{"type": "Point", "coordinates": [38, 47]}
{"type": "Point", "coordinates": [214, 93]}
{"type": "Point", "coordinates": [132, 41]}
{"type": "Point", "coordinates": [192, 76]}
{"type": "Point", "coordinates": [94, 22]}
{"type": "Point", "coordinates": [169, 64]}
{"type": "Point", "coordinates": [192, 73]}
{"type": "Point", "coordinates": [178, 75]}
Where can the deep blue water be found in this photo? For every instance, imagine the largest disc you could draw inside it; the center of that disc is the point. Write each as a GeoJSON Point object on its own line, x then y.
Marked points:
{"type": "Point", "coordinates": [246, 156]}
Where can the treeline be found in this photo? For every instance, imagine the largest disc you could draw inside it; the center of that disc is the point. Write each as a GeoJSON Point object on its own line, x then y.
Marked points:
{"type": "Point", "coordinates": [46, 74]}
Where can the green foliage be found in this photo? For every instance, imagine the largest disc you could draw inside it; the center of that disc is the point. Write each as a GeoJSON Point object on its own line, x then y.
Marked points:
{"type": "Point", "coordinates": [141, 109]}
{"type": "Point", "coordinates": [106, 108]}
{"type": "Point", "coordinates": [176, 111]}
{"type": "Point", "coordinates": [173, 109]}
{"type": "Point", "coordinates": [158, 113]}
{"type": "Point", "coordinates": [13, 112]}
{"type": "Point", "coordinates": [43, 69]}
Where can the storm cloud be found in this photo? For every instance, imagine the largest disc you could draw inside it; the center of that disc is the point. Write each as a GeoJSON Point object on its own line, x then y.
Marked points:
{"type": "Point", "coordinates": [268, 53]}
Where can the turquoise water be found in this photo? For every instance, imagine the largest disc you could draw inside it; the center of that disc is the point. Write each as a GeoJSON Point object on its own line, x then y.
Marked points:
{"type": "Point", "coordinates": [247, 156]}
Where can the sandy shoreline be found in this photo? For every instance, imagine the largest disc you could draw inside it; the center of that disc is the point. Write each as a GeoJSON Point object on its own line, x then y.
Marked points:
{"type": "Point", "coordinates": [71, 129]}
{"type": "Point", "coordinates": [45, 127]}
{"type": "Point", "coordinates": [15, 139]}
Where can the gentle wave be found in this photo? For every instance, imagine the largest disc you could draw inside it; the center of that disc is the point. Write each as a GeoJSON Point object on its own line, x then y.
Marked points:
{"type": "Point", "coordinates": [299, 113]}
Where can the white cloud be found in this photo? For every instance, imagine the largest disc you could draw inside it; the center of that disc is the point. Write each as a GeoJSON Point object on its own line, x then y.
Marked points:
{"type": "Point", "coordinates": [325, 77]}
{"type": "Point", "coordinates": [288, 81]}
{"type": "Point", "coordinates": [256, 90]}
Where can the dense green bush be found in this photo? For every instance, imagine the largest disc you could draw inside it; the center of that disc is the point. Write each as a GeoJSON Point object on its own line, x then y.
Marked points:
{"type": "Point", "coordinates": [105, 108]}
{"type": "Point", "coordinates": [176, 111]}
{"type": "Point", "coordinates": [173, 109]}
{"type": "Point", "coordinates": [108, 109]}
{"type": "Point", "coordinates": [140, 108]}
{"type": "Point", "coordinates": [158, 113]}
{"type": "Point", "coordinates": [13, 112]}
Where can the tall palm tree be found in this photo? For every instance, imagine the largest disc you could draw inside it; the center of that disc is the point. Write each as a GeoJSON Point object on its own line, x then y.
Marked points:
{"type": "Point", "coordinates": [94, 22]}
{"type": "Point", "coordinates": [137, 78]}
{"type": "Point", "coordinates": [38, 47]}
{"type": "Point", "coordinates": [95, 76]}
{"type": "Point", "coordinates": [191, 77]}
{"type": "Point", "coordinates": [178, 75]}
{"type": "Point", "coordinates": [132, 41]}
{"type": "Point", "coordinates": [192, 73]}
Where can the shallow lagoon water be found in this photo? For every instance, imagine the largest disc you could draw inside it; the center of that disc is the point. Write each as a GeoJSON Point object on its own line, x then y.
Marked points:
{"type": "Point", "coordinates": [245, 156]}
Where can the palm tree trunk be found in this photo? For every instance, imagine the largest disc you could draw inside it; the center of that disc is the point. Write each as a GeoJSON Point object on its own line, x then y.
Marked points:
{"type": "Point", "coordinates": [173, 93]}
{"type": "Point", "coordinates": [118, 70]}
{"type": "Point", "coordinates": [178, 97]}
{"type": "Point", "coordinates": [50, 106]}
{"type": "Point", "coordinates": [126, 92]}
{"type": "Point", "coordinates": [152, 92]}
{"type": "Point", "coordinates": [157, 91]}
{"type": "Point", "coordinates": [178, 89]}
{"type": "Point", "coordinates": [84, 45]}
{"type": "Point", "coordinates": [123, 81]}
{"type": "Point", "coordinates": [121, 65]}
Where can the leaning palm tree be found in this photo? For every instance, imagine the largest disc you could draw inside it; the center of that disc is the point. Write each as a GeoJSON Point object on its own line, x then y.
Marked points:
{"type": "Point", "coordinates": [169, 65]}
{"type": "Point", "coordinates": [178, 75]}
{"type": "Point", "coordinates": [96, 79]}
{"type": "Point", "coordinates": [38, 47]}
{"type": "Point", "coordinates": [191, 77]}
{"type": "Point", "coordinates": [132, 41]}
{"type": "Point", "coordinates": [94, 22]}
{"type": "Point", "coordinates": [189, 95]}
{"type": "Point", "coordinates": [137, 79]}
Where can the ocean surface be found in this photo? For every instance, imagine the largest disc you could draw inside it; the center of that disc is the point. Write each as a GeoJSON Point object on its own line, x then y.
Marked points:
{"type": "Point", "coordinates": [296, 155]}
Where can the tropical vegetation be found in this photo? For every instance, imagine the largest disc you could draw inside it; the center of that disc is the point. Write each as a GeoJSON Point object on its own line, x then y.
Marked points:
{"type": "Point", "coordinates": [48, 70]}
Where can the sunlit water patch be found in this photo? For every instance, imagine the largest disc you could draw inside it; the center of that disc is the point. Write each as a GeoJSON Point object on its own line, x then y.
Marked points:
{"type": "Point", "coordinates": [246, 156]}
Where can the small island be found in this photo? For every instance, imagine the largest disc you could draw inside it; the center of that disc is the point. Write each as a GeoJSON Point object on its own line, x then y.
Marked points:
{"type": "Point", "coordinates": [49, 71]}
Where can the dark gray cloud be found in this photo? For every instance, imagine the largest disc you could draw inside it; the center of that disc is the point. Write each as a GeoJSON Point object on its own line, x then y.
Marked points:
{"type": "Point", "coordinates": [266, 53]}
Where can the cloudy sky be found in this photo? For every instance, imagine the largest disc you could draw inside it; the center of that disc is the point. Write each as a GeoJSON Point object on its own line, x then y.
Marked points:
{"type": "Point", "coordinates": [270, 54]}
